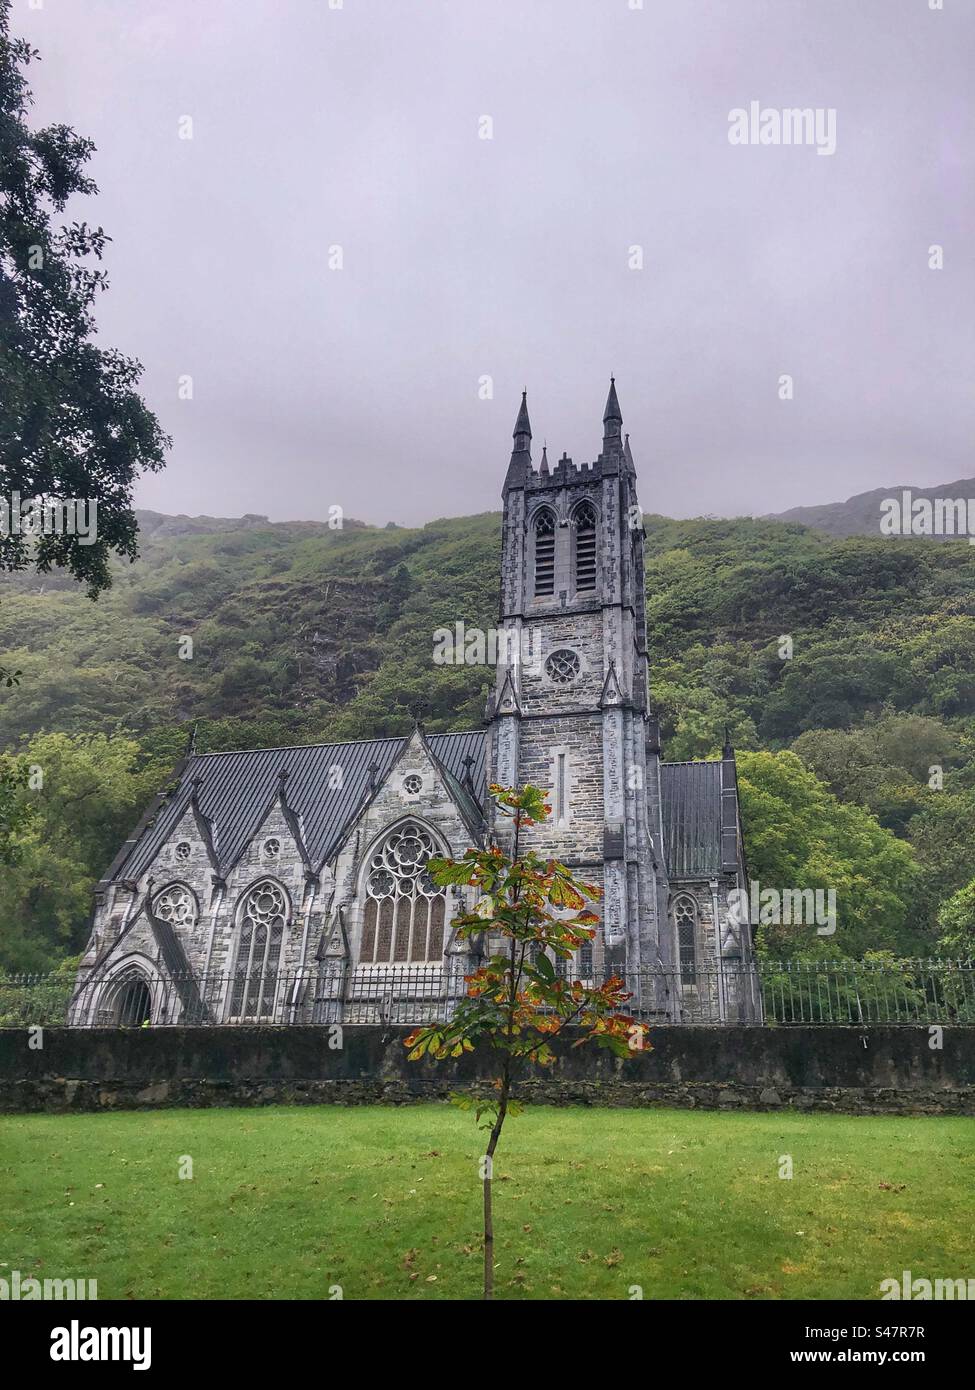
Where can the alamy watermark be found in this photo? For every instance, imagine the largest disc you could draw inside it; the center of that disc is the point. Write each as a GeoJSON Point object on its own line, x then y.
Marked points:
{"type": "Point", "coordinates": [908, 515]}
{"type": "Point", "coordinates": [50, 516]}
{"type": "Point", "coordinates": [20, 1288]}
{"type": "Point", "coordinates": [474, 646]}
{"type": "Point", "coordinates": [805, 907]}
{"type": "Point", "coordinates": [924, 1290]}
{"type": "Point", "coordinates": [77, 1343]}
{"type": "Point", "coordinates": [793, 125]}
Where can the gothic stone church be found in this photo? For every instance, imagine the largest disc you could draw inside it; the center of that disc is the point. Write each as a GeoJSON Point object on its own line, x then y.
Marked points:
{"type": "Point", "coordinates": [288, 885]}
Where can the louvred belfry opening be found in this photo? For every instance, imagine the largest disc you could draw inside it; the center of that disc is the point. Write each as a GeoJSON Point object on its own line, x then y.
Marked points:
{"type": "Point", "coordinates": [544, 553]}
{"type": "Point", "coordinates": [585, 524]}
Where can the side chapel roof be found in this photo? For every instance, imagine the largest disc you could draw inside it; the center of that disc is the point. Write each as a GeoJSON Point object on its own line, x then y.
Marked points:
{"type": "Point", "coordinates": [234, 791]}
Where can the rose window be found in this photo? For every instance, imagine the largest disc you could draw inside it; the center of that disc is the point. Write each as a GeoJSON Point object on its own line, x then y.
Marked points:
{"type": "Point", "coordinates": [412, 784]}
{"type": "Point", "coordinates": [563, 666]}
{"type": "Point", "coordinates": [265, 904]}
{"type": "Point", "coordinates": [182, 850]}
{"type": "Point", "coordinates": [176, 905]}
{"type": "Point", "coordinates": [381, 883]}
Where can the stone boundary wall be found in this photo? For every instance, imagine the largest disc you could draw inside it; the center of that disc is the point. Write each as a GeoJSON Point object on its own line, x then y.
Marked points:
{"type": "Point", "coordinates": [869, 1070]}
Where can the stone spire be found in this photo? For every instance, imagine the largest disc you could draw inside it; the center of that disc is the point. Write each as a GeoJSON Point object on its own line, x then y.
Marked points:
{"type": "Point", "coordinates": [521, 456]}
{"type": "Point", "coordinates": [628, 455]}
{"type": "Point", "coordinates": [612, 422]}
{"type": "Point", "coordinates": [522, 432]}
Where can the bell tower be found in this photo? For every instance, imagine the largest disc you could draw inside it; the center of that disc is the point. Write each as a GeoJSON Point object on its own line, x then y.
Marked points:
{"type": "Point", "coordinates": [570, 708]}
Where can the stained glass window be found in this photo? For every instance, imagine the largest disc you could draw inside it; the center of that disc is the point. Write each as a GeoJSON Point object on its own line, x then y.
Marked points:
{"type": "Point", "coordinates": [261, 934]}
{"type": "Point", "coordinates": [405, 910]}
{"type": "Point", "coordinates": [685, 915]}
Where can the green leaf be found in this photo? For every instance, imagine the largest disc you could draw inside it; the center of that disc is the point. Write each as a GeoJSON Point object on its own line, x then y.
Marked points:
{"type": "Point", "coordinates": [544, 967]}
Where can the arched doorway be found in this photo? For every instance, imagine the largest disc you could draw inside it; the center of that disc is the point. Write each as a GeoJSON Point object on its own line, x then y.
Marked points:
{"type": "Point", "coordinates": [133, 1003]}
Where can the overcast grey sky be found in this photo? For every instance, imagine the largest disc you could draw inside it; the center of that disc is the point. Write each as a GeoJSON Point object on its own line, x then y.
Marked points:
{"type": "Point", "coordinates": [509, 258]}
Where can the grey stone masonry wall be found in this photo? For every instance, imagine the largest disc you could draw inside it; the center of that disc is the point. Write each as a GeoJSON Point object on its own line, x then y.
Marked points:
{"type": "Point", "coordinates": [881, 1070]}
{"type": "Point", "coordinates": [579, 837]}
{"type": "Point", "coordinates": [209, 945]}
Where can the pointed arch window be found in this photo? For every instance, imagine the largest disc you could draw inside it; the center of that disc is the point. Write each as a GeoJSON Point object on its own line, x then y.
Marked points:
{"type": "Point", "coordinates": [685, 916]}
{"type": "Point", "coordinates": [544, 553]}
{"type": "Point", "coordinates": [405, 911]}
{"type": "Point", "coordinates": [585, 557]}
{"type": "Point", "coordinates": [263, 914]}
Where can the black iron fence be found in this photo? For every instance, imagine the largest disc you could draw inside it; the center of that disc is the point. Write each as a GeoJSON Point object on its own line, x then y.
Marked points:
{"type": "Point", "coordinates": [769, 992]}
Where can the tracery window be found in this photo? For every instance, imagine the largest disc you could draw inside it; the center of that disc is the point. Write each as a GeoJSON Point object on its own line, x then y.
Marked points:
{"type": "Point", "coordinates": [685, 915]}
{"type": "Point", "coordinates": [263, 913]}
{"type": "Point", "coordinates": [544, 553]}
{"type": "Point", "coordinates": [585, 534]}
{"type": "Point", "coordinates": [562, 666]}
{"type": "Point", "coordinates": [175, 904]}
{"type": "Point", "coordinates": [405, 911]}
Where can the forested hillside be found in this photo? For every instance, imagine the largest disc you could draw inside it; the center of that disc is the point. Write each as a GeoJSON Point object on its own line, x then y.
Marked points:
{"type": "Point", "coordinates": [298, 632]}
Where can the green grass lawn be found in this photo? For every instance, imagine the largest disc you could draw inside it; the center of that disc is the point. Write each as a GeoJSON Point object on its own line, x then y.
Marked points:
{"type": "Point", "coordinates": [384, 1201]}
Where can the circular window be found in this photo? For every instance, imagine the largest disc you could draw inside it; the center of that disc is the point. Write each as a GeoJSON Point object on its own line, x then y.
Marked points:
{"type": "Point", "coordinates": [266, 901]}
{"type": "Point", "coordinates": [562, 666]}
{"type": "Point", "coordinates": [400, 865]}
{"type": "Point", "coordinates": [413, 784]}
{"type": "Point", "coordinates": [183, 850]}
{"type": "Point", "coordinates": [408, 851]}
{"type": "Point", "coordinates": [272, 848]}
{"type": "Point", "coordinates": [177, 906]}
{"type": "Point", "coordinates": [381, 883]}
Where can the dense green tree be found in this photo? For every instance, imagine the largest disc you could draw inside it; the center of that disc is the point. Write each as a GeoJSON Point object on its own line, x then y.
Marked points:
{"type": "Point", "coordinates": [957, 923]}
{"type": "Point", "coordinates": [892, 764]}
{"type": "Point", "coordinates": [799, 835]}
{"type": "Point", "coordinates": [14, 812]}
{"type": "Point", "coordinates": [77, 800]}
{"type": "Point", "coordinates": [71, 422]}
{"type": "Point", "coordinates": [942, 835]}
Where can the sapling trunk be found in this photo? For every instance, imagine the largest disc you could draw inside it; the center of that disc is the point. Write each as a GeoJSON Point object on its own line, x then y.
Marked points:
{"type": "Point", "coordinates": [488, 1175]}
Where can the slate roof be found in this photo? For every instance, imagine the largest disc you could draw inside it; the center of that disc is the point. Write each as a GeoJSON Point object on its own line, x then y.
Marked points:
{"type": "Point", "coordinates": [235, 790]}
{"type": "Point", "coordinates": [691, 797]}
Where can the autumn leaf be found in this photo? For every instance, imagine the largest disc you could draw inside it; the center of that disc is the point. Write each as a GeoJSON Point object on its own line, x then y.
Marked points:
{"type": "Point", "coordinates": [563, 894]}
